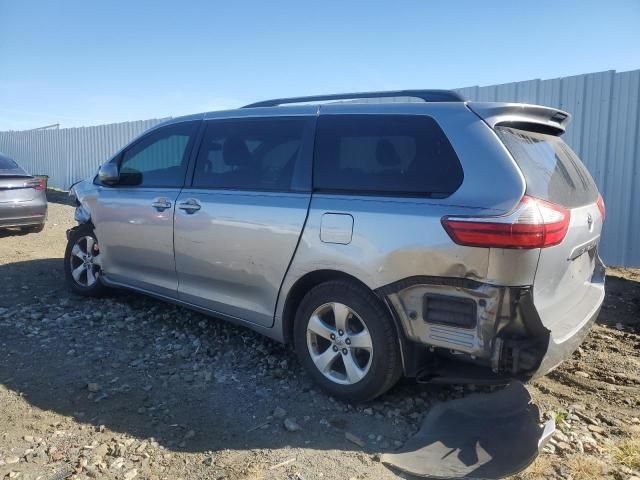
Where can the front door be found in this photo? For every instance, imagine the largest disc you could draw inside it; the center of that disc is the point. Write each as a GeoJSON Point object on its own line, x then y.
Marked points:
{"type": "Point", "coordinates": [238, 225]}
{"type": "Point", "coordinates": [134, 219]}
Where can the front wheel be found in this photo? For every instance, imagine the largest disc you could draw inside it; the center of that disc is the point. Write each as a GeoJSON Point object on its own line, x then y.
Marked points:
{"type": "Point", "coordinates": [82, 262]}
{"type": "Point", "coordinates": [347, 341]}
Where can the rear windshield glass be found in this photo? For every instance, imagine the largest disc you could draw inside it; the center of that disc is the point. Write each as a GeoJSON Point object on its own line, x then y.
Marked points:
{"type": "Point", "coordinates": [552, 170]}
{"type": "Point", "coordinates": [7, 164]}
{"type": "Point", "coordinates": [385, 154]}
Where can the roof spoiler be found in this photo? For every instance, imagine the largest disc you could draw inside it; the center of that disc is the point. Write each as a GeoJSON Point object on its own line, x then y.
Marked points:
{"type": "Point", "coordinates": [532, 117]}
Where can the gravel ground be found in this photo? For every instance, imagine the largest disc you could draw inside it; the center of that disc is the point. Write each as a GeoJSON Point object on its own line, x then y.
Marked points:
{"type": "Point", "coordinates": [129, 387]}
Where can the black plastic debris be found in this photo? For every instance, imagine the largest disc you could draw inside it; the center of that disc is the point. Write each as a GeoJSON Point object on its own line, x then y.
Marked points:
{"type": "Point", "coordinates": [481, 436]}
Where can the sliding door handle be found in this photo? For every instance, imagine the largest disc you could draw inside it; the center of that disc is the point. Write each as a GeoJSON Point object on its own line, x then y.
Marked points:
{"type": "Point", "coordinates": [190, 206]}
{"type": "Point", "coordinates": [161, 204]}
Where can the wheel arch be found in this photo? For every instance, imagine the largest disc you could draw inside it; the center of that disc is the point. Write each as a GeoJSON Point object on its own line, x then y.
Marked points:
{"type": "Point", "coordinates": [312, 279]}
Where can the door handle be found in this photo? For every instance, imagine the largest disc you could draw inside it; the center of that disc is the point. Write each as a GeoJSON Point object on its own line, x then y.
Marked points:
{"type": "Point", "coordinates": [190, 206]}
{"type": "Point", "coordinates": [161, 204]}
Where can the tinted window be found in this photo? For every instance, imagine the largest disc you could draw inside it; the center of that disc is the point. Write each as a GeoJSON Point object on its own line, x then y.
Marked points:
{"type": "Point", "coordinates": [407, 154]}
{"type": "Point", "coordinates": [252, 154]}
{"type": "Point", "coordinates": [160, 158]}
{"type": "Point", "coordinates": [7, 163]}
{"type": "Point", "coordinates": [552, 170]}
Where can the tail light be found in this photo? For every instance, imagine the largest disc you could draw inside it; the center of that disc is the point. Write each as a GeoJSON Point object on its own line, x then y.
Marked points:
{"type": "Point", "coordinates": [603, 210]}
{"type": "Point", "coordinates": [534, 223]}
{"type": "Point", "coordinates": [37, 184]}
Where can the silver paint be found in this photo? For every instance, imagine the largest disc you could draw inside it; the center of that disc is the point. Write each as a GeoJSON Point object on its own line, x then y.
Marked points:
{"type": "Point", "coordinates": [238, 254]}
{"type": "Point", "coordinates": [336, 228]}
{"type": "Point", "coordinates": [232, 254]}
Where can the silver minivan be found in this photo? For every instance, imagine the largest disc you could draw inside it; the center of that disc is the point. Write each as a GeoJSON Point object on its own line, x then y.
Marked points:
{"type": "Point", "coordinates": [441, 239]}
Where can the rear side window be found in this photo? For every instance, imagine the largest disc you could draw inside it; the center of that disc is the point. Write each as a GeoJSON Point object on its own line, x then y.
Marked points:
{"type": "Point", "coordinates": [250, 154]}
{"type": "Point", "coordinates": [552, 170]}
{"type": "Point", "coordinates": [385, 154]}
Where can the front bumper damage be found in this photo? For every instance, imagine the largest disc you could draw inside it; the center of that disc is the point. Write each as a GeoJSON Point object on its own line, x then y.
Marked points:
{"type": "Point", "coordinates": [465, 331]}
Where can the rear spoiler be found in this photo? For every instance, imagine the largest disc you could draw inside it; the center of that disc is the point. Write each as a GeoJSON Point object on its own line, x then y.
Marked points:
{"type": "Point", "coordinates": [531, 117]}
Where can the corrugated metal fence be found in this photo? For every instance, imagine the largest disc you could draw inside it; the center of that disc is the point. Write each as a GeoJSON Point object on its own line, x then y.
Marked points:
{"type": "Point", "coordinates": [69, 154]}
{"type": "Point", "coordinates": [604, 132]}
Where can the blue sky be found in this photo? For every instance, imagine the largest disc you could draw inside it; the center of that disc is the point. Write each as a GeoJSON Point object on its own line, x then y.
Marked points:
{"type": "Point", "coordinates": [82, 62]}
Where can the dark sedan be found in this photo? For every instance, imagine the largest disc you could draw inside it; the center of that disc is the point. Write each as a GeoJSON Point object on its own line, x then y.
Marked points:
{"type": "Point", "coordinates": [23, 199]}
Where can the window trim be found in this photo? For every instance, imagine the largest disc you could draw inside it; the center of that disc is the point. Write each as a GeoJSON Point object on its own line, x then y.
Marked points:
{"type": "Point", "coordinates": [301, 181]}
{"type": "Point", "coordinates": [193, 136]}
{"type": "Point", "coordinates": [384, 193]}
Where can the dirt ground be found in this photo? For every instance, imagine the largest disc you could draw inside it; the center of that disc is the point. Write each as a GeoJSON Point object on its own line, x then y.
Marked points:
{"type": "Point", "coordinates": [129, 387]}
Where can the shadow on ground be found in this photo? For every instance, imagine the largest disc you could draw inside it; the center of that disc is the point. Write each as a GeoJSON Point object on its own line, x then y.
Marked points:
{"type": "Point", "coordinates": [14, 232]}
{"type": "Point", "coordinates": [621, 306]}
{"type": "Point", "coordinates": [190, 382]}
{"type": "Point", "coordinates": [58, 196]}
{"type": "Point", "coordinates": [195, 384]}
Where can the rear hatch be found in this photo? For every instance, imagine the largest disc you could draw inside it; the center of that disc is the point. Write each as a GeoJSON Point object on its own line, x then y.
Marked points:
{"type": "Point", "coordinates": [16, 185]}
{"type": "Point", "coordinates": [565, 292]}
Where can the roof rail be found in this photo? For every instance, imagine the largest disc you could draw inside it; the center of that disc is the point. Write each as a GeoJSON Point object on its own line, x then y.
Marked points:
{"type": "Point", "coordinates": [426, 95]}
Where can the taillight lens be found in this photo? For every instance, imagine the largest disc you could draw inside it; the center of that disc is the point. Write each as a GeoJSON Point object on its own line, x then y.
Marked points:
{"type": "Point", "coordinates": [534, 223]}
{"type": "Point", "coordinates": [37, 183]}
{"type": "Point", "coordinates": [601, 207]}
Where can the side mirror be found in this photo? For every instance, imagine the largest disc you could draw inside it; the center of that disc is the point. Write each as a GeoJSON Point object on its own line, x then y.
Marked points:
{"type": "Point", "coordinates": [108, 174]}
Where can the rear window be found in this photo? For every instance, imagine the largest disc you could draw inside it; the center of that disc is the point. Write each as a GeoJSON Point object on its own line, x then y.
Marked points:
{"type": "Point", "coordinates": [552, 170]}
{"type": "Point", "coordinates": [385, 154]}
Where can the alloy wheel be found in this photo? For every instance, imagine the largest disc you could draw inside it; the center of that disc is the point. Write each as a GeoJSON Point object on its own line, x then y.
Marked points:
{"type": "Point", "coordinates": [339, 343]}
{"type": "Point", "coordinates": [85, 261]}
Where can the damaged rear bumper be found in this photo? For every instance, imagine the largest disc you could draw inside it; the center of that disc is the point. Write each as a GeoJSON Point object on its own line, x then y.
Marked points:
{"type": "Point", "coordinates": [462, 330]}
{"type": "Point", "coordinates": [582, 318]}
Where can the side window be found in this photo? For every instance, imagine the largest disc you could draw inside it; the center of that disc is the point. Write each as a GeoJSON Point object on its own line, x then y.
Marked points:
{"type": "Point", "coordinates": [160, 158]}
{"type": "Point", "coordinates": [403, 154]}
{"type": "Point", "coordinates": [250, 154]}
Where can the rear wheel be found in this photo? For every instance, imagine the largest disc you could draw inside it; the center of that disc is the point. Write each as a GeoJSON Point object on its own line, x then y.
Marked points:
{"type": "Point", "coordinates": [346, 340]}
{"type": "Point", "coordinates": [82, 262]}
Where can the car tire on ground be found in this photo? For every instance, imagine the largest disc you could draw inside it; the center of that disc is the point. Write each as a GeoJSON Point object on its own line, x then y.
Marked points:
{"type": "Point", "coordinates": [82, 262]}
{"type": "Point", "coordinates": [347, 341]}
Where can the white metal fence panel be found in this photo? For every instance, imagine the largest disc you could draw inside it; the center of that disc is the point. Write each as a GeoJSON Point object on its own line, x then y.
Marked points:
{"type": "Point", "coordinates": [69, 154]}
{"type": "Point", "coordinates": [604, 132]}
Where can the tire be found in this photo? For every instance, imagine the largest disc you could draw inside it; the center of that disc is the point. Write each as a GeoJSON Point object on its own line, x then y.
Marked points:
{"type": "Point", "coordinates": [33, 228]}
{"type": "Point", "coordinates": [84, 283]}
{"type": "Point", "coordinates": [378, 367]}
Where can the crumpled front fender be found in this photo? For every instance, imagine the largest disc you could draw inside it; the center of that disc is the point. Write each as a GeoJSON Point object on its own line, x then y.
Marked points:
{"type": "Point", "coordinates": [82, 214]}
{"type": "Point", "coordinates": [83, 195]}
